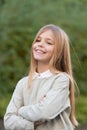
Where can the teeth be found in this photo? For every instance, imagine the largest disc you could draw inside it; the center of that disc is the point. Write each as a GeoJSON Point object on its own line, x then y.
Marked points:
{"type": "Point", "coordinates": [39, 51]}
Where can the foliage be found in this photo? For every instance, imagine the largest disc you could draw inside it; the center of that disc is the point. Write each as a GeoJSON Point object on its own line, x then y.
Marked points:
{"type": "Point", "coordinates": [81, 109]}
{"type": "Point", "coordinates": [19, 22]}
{"type": "Point", "coordinates": [3, 104]}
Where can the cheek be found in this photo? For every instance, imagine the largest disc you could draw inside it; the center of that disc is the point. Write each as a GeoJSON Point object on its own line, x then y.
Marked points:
{"type": "Point", "coordinates": [51, 50]}
{"type": "Point", "coordinates": [33, 46]}
{"type": "Point", "coordinates": [32, 49]}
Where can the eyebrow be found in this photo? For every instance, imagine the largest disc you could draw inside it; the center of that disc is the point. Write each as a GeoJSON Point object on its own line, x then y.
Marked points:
{"type": "Point", "coordinates": [46, 38]}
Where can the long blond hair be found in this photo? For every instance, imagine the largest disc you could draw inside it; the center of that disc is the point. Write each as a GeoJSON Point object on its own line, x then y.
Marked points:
{"type": "Point", "coordinates": [60, 60]}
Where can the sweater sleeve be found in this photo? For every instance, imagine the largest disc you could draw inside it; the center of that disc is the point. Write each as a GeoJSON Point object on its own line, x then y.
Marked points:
{"type": "Point", "coordinates": [55, 101]}
{"type": "Point", "coordinates": [13, 121]}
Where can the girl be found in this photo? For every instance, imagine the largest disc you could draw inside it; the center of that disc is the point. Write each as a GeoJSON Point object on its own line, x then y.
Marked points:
{"type": "Point", "coordinates": [44, 100]}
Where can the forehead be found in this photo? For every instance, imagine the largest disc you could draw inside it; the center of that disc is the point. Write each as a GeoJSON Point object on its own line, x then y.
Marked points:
{"type": "Point", "coordinates": [46, 34]}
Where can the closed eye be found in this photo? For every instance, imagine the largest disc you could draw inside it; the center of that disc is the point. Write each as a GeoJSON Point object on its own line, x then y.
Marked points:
{"type": "Point", "coordinates": [49, 43]}
{"type": "Point", "coordinates": [38, 40]}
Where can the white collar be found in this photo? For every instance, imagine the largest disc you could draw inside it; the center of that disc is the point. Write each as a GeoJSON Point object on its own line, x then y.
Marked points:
{"type": "Point", "coordinates": [47, 73]}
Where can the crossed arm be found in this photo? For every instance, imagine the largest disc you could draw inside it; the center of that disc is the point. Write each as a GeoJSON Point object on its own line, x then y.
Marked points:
{"type": "Point", "coordinates": [48, 107]}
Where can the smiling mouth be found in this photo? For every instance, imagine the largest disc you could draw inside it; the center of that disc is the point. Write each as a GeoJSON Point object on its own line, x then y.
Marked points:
{"type": "Point", "coordinates": [40, 51]}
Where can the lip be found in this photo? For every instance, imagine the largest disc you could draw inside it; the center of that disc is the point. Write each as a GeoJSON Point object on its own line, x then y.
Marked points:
{"type": "Point", "coordinates": [40, 51]}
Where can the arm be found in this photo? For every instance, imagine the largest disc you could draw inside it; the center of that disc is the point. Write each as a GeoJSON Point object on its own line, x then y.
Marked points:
{"type": "Point", "coordinates": [12, 120]}
{"type": "Point", "coordinates": [56, 101]}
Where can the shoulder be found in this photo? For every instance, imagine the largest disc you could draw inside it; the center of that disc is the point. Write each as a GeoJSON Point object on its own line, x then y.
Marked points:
{"type": "Point", "coordinates": [22, 82]}
{"type": "Point", "coordinates": [62, 75]}
{"type": "Point", "coordinates": [62, 78]}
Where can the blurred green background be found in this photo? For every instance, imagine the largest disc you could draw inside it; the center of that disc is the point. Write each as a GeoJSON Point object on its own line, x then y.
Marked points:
{"type": "Point", "coordinates": [19, 22]}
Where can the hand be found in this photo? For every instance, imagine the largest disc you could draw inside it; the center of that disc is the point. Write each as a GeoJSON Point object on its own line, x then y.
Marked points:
{"type": "Point", "coordinates": [42, 98]}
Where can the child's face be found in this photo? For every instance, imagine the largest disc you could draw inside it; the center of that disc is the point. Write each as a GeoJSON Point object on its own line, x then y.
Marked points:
{"type": "Point", "coordinates": [43, 48]}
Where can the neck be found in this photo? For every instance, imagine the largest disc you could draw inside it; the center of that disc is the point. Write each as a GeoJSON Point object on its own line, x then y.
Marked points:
{"type": "Point", "coordinates": [41, 67]}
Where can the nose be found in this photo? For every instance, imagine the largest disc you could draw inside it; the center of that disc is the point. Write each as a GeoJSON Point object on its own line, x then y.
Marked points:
{"type": "Point", "coordinates": [40, 44]}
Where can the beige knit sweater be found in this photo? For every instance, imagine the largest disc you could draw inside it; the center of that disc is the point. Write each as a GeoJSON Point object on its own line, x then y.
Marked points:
{"type": "Point", "coordinates": [27, 105]}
